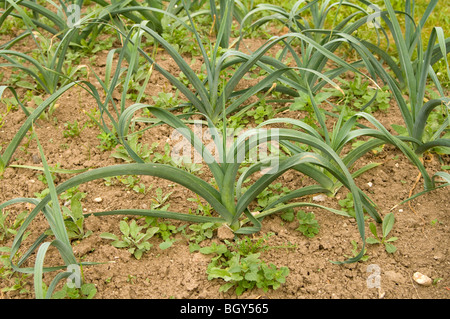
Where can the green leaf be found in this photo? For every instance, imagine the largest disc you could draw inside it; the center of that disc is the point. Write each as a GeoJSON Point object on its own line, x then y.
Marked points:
{"type": "Point", "coordinates": [216, 272]}
{"type": "Point", "coordinates": [388, 223]}
{"type": "Point", "coordinates": [251, 276]}
{"type": "Point", "coordinates": [151, 231]}
{"type": "Point", "coordinates": [120, 244]}
{"type": "Point", "coordinates": [371, 240]}
{"type": "Point", "coordinates": [218, 249]}
{"type": "Point", "coordinates": [88, 290]}
{"type": "Point", "coordinates": [133, 230]}
{"type": "Point", "coordinates": [373, 229]}
{"type": "Point", "coordinates": [166, 244]}
{"type": "Point", "coordinates": [138, 254]}
{"type": "Point", "coordinates": [226, 287]}
{"type": "Point", "coordinates": [108, 236]}
{"type": "Point", "coordinates": [124, 228]}
{"type": "Point", "coordinates": [390, 248]}
{"type": "Point", "coordinates": [288, 215]}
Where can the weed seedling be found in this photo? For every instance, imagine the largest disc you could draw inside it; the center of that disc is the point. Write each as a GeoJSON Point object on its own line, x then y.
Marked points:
{"type": "Point", "coordinates": [86, 291]}
{"type": "Point", "coordinates": [262, 112]}
{"type": "Point", "coordinates": [165, 230]}
{"type": "Point", "coordinates": [9, 228]}
{"type": "Point", "coordinates": [107, 141]}
{"type": "Point", "coordinates": [244, 272]}
{"type": "Point", "coordinates": [71, 129]}
{"type": "Point", "coordinates": [18, 281]}
{"type": "Point", "coordinates": [143, 150]}
{"type": "Point", "coordinates": [132, 238]}
{"type": "Point", "coordinates": [239, 264]}
{"type": "Point", "coordinates": [74, 222]}
{"type": "Point", "coordinates": [387, 224]}
{"type": "Point", "coordinates": [200, 232]}
{"type": "Point", "coordinates": [308, 224]}
{"type": "Point", "coordinates": [355, 251]}
{"type": "Point", "coordinates": [347, 204]}
{"type": "Point", "coordinates": [202, 209]}
{"type": "Point", "coordinates": [269, 195]}
{"type": "Point", "coordinates": [160, 199]}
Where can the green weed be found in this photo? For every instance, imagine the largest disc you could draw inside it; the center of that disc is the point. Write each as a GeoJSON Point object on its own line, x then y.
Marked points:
{"type": "Point", "coordinates": [388, 223]}
{"type": "Point", "coordinates": [86, 291]}
{"type": "Point", "coordinates": [132, 238]}
{"type": "Point", "coordinates": [308, 224]}
{"type": "Point", "coordinates": [240, 267]}
{"type": "Point", "coordinates": [71, 129]}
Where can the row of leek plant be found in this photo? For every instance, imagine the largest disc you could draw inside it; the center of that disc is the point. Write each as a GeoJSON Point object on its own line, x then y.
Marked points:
{"type": "Point", "coordinates": [215, 101]}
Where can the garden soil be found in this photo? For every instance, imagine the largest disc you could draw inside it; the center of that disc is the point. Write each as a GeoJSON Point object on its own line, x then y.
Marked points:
{"type": "Point", "coordinates": [421, 225]}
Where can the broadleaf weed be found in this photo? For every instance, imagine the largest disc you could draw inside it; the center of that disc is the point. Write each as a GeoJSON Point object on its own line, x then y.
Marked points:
{"type": "Point", "coordinates": [240, 266]}
{"type": "Point", "coordinates": [308, 224]}
{"type": "Point", "coordinates": [387, 224]}
{"type": "Point", "coordinates": [132, 238]}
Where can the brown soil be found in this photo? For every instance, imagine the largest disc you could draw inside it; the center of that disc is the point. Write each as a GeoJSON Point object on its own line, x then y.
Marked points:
{"type": "Point", "coordinates": [423, 245]}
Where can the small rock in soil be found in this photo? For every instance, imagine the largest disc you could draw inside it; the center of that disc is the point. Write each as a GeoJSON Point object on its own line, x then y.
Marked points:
{"type": "Point", "coordinates": [98, 200]}
{"type": "Point", "coordinates": [319, 198]}
{"type": "Point", "coordinates": [422, 279]}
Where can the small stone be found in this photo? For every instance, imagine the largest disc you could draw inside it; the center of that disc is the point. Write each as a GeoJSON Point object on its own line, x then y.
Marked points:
{"type": "Point", "coordinates": [422, 279]}
{"type": "Point", "coordinates": [98, 200]}
{"type": "Point", "coordinates": [438, 256]}
{"type": "Point", "coordinates": [319, 198]}
{"type": "Point", "coordinates": [370, 184]}
{"type": "Point", "coordinates": [381, 293]}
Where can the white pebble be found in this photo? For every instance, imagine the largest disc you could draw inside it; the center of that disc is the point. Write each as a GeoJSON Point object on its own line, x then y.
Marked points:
{"type": "Point", "coordinates": [422, 279]}
{"type": "Point", "coordinates": [370, 184]}
{"type": "Point", "coordinates": [319, 198]}
{"type": "Point", "coordinates": [98, 200]}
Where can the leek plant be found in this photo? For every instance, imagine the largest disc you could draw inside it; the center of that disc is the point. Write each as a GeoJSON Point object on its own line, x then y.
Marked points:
{"type": "Point", "coordinates": [222, 13]}
{"type": "Point", "coordinates": [214, 96]}
{"type": "Point", "coordinates": [89, 25]}
{"type": "Point", "coordinates": [48, 70]}
{"type": "Point", "coordinates": [230, 205]}
{"type": "Point", "coordinates": [413, 71]}
{"type": "Point", "coordinates": [53, 214]}
{"type": "Point", "coordinates": [313, 48]}
{"type": "Point", "coordinates": [5, 158]}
